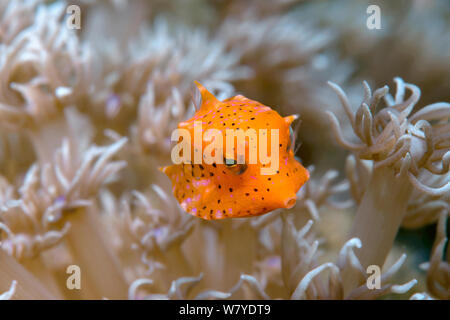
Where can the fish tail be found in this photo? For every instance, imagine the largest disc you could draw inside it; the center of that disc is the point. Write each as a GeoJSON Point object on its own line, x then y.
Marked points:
{"type": "Point", "coordinates": [164, 169]}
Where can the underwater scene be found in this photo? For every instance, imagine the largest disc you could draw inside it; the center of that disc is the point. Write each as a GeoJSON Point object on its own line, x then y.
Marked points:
{"type": "Point", "coordinates": [224, 150]}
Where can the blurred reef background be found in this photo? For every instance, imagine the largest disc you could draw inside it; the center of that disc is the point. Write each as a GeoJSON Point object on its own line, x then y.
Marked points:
{"type": "Point", "coordinates": [86, 117]}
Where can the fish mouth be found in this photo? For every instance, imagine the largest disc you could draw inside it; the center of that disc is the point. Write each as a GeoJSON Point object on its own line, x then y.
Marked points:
{"type": "Point", "coordinates": [290, 202]}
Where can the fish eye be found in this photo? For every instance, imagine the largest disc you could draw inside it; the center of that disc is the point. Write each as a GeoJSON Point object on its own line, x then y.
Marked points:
{"type": "Point", "coordinates": [230, 162]}
{"type": "Point", "coordinates": [235, 167]}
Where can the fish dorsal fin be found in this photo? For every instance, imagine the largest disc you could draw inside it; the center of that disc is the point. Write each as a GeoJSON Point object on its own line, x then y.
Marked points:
{"type": "Point", "coordinates": [201, 96]}
{"type": "Point", "coordinates": [239, 97]}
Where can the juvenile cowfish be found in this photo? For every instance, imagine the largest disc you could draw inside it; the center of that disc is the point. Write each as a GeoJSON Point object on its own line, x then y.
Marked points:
{"type": "Point", "coordinates": [232, 188]}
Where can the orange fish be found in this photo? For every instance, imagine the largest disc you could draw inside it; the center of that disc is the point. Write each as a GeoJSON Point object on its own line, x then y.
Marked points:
{"type": "Point", "coordinates": [236, 187]}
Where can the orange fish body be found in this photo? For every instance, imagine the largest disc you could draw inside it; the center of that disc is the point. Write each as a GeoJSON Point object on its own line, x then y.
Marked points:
{"type": "Point", "coordinates": [233, 188]}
